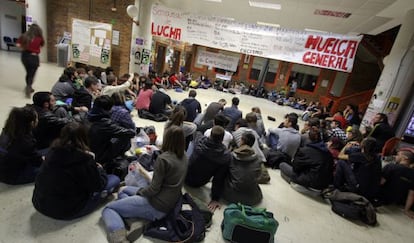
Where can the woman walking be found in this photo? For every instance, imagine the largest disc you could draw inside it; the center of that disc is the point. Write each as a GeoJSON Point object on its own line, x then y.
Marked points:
{"type": "Point", "coordinates": [31, 42]}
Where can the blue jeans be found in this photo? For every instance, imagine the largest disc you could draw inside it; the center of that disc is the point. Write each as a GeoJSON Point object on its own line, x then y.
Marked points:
{"type": "Point", "coordinates": [345, 175]}
{"type": "Point", "coordinates": [129, 205]}
{"type": "Point", "coordinates": [98, 197]}
{"type": "Point", "coordinates": [273, 140]}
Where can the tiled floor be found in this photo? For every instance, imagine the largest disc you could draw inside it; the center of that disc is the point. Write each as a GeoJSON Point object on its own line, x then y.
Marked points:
{"type": "Point", "coordinates": [301, 218]}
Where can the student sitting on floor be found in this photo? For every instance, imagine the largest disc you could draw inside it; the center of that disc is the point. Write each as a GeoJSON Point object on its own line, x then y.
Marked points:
{"type": "Point", "coordinates": [210, 159]}
{"type": "Point", "coordinates": [398, 180]}
{"type": "Point", "coordinates": [361, 172]}
{"type": "Point", "coordinates": [19, 160]}
{"type": "Point", "coordinates": [49, 126]}
{"type": "Point", "coordinates": [71, 183]}
{"type": "Point", "coordinates": [108, 140]}
{"type": "Point", "coordinates": [241, 184]}
{"type": "Point", "coordinates": [156, 195]}
{"type": "Point", "coordinates": [312, 166]}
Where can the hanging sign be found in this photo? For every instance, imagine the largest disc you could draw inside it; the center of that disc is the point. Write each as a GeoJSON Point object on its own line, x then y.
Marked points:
{"type": "Point", "coordinates": [324, 50]}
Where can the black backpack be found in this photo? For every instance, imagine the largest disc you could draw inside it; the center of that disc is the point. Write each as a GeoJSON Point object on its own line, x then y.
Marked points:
{"type": "Point", "coordinates": [183, 224]}
{"type": "Point", "coordinates": [351, 206]}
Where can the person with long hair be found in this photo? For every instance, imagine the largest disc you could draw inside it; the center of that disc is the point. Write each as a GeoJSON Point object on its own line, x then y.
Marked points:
{"type": "Point", "coordinates": [19, 160]}
{"type": "Point", "coordinates": [157, 194]}
{"type": "Point", "coordinates": [71, 183]}
{"type": "Point", "coordinates": [177, 118]}
{"type": "Point", "coordinates": [360, 172]}
{"type": "Point", "coordinates": [119, 113]}
{"type": "Point", "coordinates": [31, 42]}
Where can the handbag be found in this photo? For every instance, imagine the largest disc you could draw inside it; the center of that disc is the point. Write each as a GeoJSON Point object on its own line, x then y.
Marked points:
{"type": "Point", "coordinates": [245, 224]}
{"type": "Point", "coordinates": [182, 224]}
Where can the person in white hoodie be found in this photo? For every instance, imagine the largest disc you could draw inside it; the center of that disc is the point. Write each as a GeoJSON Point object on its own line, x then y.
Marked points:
{"type": "Point", "coordinates": [286, 139]}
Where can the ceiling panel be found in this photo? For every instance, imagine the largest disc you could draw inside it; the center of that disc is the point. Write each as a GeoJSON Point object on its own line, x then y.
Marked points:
{"type": "Point", "coordinates": [366, 15]}
{"type": "Point", "coordinates": [372, 23]}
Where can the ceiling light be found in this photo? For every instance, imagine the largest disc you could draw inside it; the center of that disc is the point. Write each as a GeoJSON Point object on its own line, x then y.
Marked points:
{"type": "Point", "coordinates": [275, 6]}
{"type": "Point", "coordinates": [222, 17]}
{"type": "Point", "coordinates": [314, 30]}
{"type": "Point", "coordinates": [216, 1]}
{"type": "Point", "coordinates": [268, 24]}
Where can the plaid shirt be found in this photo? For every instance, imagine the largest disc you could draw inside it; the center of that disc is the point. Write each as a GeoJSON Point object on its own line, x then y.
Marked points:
{"type": "Point", "coordinates": [122, 117]}
{"type": "Point", "coordinates": [338, 132]}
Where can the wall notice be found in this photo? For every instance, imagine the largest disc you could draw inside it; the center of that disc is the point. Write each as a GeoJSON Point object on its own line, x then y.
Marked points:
{"type": "Point", "coordinates": [91, 43]}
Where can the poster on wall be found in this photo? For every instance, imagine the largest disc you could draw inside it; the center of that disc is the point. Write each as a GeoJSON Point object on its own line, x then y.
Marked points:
{"type": "Point", "coordinates": [91, 43]}
{"type": "Point", "coordinates": [324, 50]}
{"type": "Point", "coordinates": [218, 60]}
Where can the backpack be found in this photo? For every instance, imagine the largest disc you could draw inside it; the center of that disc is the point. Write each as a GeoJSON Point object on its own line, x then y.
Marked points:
{"type": "Point", "coordinates": [184, 223]}
{"type": "Point", "coordinates": [352, 206]}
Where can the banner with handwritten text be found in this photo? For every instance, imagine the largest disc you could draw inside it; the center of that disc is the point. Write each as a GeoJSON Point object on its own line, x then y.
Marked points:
{"type": "Point", "coordinates": [217, 60]}
{"type": "Point", "coordinates": [324, 50]}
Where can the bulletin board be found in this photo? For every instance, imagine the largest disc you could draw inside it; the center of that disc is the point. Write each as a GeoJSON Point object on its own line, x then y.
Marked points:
{"type": "Point", "coordinates": [91, 43]}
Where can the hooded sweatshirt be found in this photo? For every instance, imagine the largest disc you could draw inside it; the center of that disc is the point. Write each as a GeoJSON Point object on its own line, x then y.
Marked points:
{"type": "Point", "coordinates": [209, 159]}
{"type": "Point", "coordinates": [289, 140]}
{"type": "Point", "coordinates": [241, 183]}
{"type": "Point", "coordinates": [66, 181]}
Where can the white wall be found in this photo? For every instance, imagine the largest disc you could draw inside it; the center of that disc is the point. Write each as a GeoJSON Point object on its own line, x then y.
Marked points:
{"type": "Point", "coordinates": [37, 10]}
{"type": "Point", "coordinates": [10, 20]}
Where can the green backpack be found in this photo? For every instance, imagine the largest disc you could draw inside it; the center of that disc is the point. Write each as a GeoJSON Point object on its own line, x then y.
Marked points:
{"type": "Point", "coordinates": [243, 223]}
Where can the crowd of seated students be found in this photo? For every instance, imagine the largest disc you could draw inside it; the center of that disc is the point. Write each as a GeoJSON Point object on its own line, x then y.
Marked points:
{"type": "Point", "coordinates": [79, 153]}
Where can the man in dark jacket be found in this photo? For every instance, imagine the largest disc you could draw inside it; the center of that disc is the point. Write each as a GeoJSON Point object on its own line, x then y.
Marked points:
{"type": "Point", "coordinates": [210, 158]}
{"type": "Point", "coordinates": [49, 126]}
{"type": "Point", "coordinates": [107, 139]}
{"type": "Point", "coordinates": [192, 106]}
{"type": "Point", "coordinates": [312, 164]}
{"type": "Point", "coordinates": [160, 103]}
{"type": "Point", "coordinates": [382, 131]}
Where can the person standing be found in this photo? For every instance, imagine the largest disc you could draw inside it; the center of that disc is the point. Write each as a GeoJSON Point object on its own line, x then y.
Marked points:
{"type": "Point", "coordinates": [31, 42]}
{"type": "Point", "coordinates": [293, 87]}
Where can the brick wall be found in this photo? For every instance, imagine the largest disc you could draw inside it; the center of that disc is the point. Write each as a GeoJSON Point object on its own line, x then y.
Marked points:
{"type": "Point", "coordinates": [60, 14]}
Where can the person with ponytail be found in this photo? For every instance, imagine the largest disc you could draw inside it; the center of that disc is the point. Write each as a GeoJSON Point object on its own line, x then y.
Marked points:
{"type": "Point", "coordinates": [30, 43]}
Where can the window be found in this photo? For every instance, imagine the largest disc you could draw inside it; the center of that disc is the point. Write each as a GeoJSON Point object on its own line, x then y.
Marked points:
{"type": "Point", "coordinates": [258, 63]}
{"type": "Point", "coordinates": [196, 65]}
{"type": "Point", "coordinates": [272, 71]}
{"type": "Point", "coordinates": [339, 84]}
{"type": "Point", "coordinates": [306, 76]}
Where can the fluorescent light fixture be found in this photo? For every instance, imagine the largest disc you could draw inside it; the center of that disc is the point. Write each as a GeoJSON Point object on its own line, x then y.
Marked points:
{"type": "Point", "coordinates": [275, 6]}
{"type": "Point", "coordinates": [313, 30]}
{"type": "Point", "coordinates": [268, 24]}
{"type": "Point", "coordinates": [216, 1]}
{"type": "Point", "coordinates": [226, 18]}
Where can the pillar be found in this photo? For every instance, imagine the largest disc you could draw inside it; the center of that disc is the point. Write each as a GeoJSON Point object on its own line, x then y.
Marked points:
{"type": "Point", "coordinates": [397, 77]}
{"type": "Point", "coordinates": [141, 39]}
{"type": "Point", "coordinates": [37, 10]}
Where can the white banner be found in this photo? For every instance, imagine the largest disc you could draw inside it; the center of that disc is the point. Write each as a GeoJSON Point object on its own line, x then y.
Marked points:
{"type": "Point", "coordinates": [218, 60]}
{"type": "Point", "coordinates": [324, 50]}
